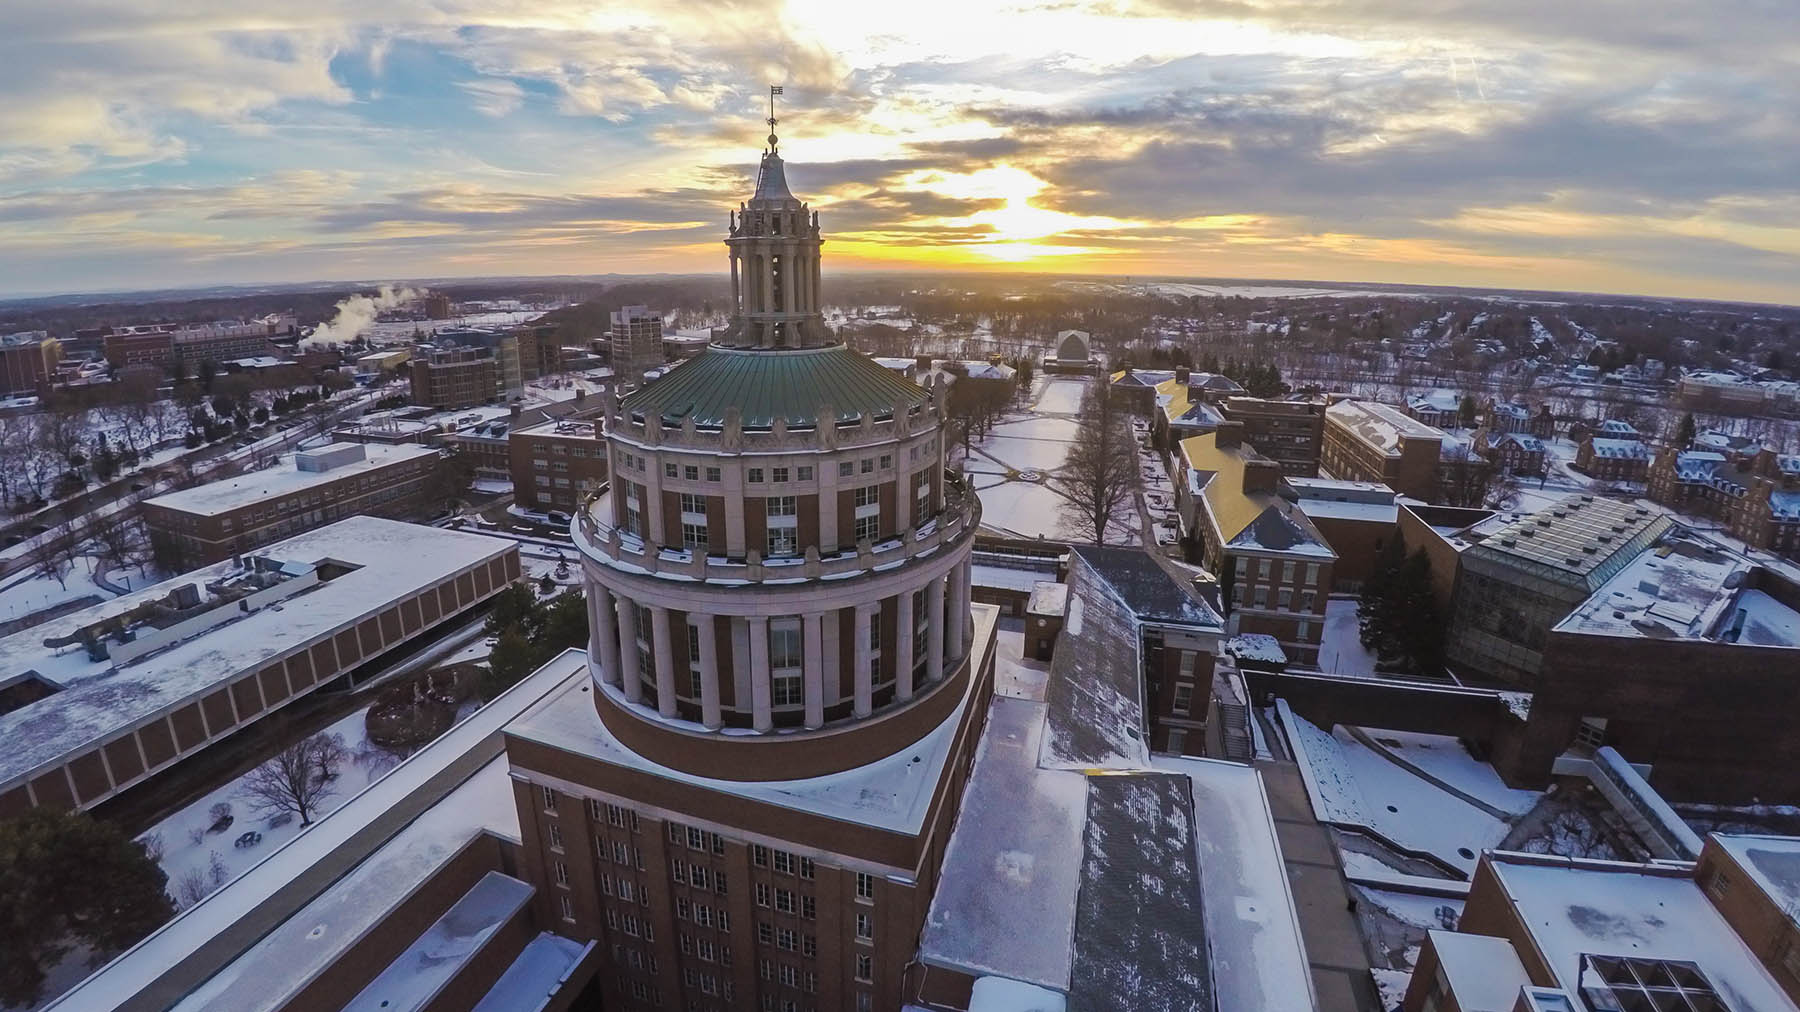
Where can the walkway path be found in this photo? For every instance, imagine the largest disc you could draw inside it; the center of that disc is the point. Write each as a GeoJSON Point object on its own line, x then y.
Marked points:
{"type": "Point", "coordinates": [1340, 967]}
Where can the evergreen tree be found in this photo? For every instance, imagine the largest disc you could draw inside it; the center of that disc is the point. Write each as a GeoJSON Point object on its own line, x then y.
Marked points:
{"type": "Point", "coordinates": [1468, 410]}
{"type": "Point", "coordinates": [67, 880]}
{"type": "Point", "coordinates": [1684, 434]}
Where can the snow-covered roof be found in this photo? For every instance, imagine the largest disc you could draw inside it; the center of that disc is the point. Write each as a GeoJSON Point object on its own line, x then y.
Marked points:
{"type": "Point", "coordinates": [892, 793]}
{"type": "Point", "coordinates": [998, 994]}
{"type": "Point", "coordinates": [422, 971]}
{"type": "Point", "coordinates": [1692, 586]}
{"type": "Point", "coordinates": [1256, 647]}
{"type": "Point", "coordinates": [1005, 577]}
{"type": "Point", "coordinates": [285, 478]}
{"type": "Point", "coordinates": [1483, 971]}
{"type": "Point", "coordinates": [1151, 592]}
{"type": "Point", "coordinates": [1526, 441]}
{"type": "Point", "coordinates": [1437, 401]}
{"type": "Point", "coordinates": [1048, 598]}
{"type": "Point", "coordinates": [1381, 426]}
{"type": "Point", "coordinates": [1622, 449]}
{"type": "Point", "coordinates": [391, 561]}
{"type": "Point", "coordinates": [1574, 908]}
{"type": "Point", "coordinates": [1773, 861]}
{"type": "Point", "coordinates": [1620, 428]}
{"type": "Point", "coordinates": [1013, 860]}
{"type": "Point", "coordinates": [534, 975]}
{"type": "Point", "coordinates": [1251, 521]}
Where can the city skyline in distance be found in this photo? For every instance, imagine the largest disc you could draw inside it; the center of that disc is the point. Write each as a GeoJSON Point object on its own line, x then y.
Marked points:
{"type": "Point", "coordinates": [1379, 143]}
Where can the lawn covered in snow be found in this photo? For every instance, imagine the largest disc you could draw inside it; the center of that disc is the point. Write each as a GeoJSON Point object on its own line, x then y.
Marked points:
{"type": "Point", "coordinates": [1340, 647]}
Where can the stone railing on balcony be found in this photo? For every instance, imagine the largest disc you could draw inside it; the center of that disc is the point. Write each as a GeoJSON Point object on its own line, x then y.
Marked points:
{"type": "Point", "coordinates": [620, 549]}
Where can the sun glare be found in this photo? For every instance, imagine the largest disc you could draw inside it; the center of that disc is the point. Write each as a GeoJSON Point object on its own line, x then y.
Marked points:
{"type": "Point", "coordinates": [1018, 226]}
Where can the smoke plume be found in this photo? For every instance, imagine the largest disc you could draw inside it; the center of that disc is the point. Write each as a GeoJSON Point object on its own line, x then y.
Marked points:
{"type": "Point", "coordinates": [356, 313]}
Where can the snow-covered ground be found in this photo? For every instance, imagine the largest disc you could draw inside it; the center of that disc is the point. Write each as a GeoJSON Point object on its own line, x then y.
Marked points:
{"type": "Point", "coordinates": [26, 593]}
{"type": "Point", "coordinates": [1445, 759]}
{"type": "Point", "coordinates": [1354, 785]}
{"type": "Point", "coordinates": [1061, 396]}
{"type": "Point", "coordinates": [197, 860]}
{"type": "Point", "coordinates": [1341, 650]}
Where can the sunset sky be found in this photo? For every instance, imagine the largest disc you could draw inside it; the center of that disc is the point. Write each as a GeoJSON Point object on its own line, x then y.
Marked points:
{"type": "Point", "coordinates": [1649, 146]}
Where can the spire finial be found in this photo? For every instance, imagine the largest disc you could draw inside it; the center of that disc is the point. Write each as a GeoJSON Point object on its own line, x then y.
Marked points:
{"type": "Point", "coordinates": [774, 89]}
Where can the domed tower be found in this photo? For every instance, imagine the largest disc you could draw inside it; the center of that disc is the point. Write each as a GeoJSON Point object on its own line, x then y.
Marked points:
{"type": "Point", "coordinates": [777, 571]}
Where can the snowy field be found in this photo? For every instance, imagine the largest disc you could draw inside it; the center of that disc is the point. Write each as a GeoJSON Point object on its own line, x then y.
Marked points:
{"type": "Point", "coordinates": [1024, 509]}
{"type": "Point", "coordinates": [1025, 454]}
{"type": "Point", "coordinates": [1061, 396]}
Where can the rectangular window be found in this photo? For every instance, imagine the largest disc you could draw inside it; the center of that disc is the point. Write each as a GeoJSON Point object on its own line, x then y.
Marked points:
{"type": "Point", "coordinates": [755, 476]}
{"type": "Point", "coordinates": [779, 506]}
{"type": "Point", "coordinates": [807, 868]}
{"type": "Point", "coordinates": [549, 800]}
{"type": "Point", "coordinates": [719, 882]}
{"type": "Point", "coordinates": [683, 909]}
{"type": "Point", "coordinates": [867, 495]}
{"type": "Point", "coordinates": [804, 472]}
{"type": "Point", "coordinates": [868, 465]}
{"type": "Point", "coordinates": [809, 908]}
{"type": "Point", "coordinates": [784, 542]}
{"type": "Point", "coordinates": [784, 862]}
{"type": "Point", "coordinates": [693, 536]}
{"type": "Point", "coordinates": [1263, 568]}
{"type": "Point", "coordinates": [1283, 598]}
{"type": "Point", "coordinates": [556, 842]}
{"type": "Point", "coordinates": [786, 939]}
{"type": "Point", "coordinates": [562, 873]}
{"type": "Point", "coordinates": [1287, 572]}
{"type": "Point", "coordinates": [759, 855]}
{"type": "Point", "coordinates": [865, 969]}
{"type": "Point", "coordinates": [809, 946]}
{"type": "Point", "coordinates": [1262, 597]}
{"type": "Point", "coordinates": [868, 528]}
{"type": "Point", "coordinates": [865, 886]}
{"type": "Point", "coordinates": [568, 908]}
{"type": "Point", "coordinates": [887, 461]}
{"type": "Point", "coordinates": [703, 915]}
{"type": "Point", "coordinates": [1184, 698]}
{"type": "Point", "coordinates": [1312, 574]}
{"type": "Point", "coordinates": [712, 474]}
{"type": "Point", "coordinates": [691, 473]}
{"type": "Point", "coordinates": [696, 839]}
{"type": "Point", "coordinates": [762, 894]}
{"type": "Point", "coordinates": [765, 932]}
{"type": "Point", "coordinates": [865, 927]}
{"type": "Point", "coordinates": [669, 470]}
{"type": "Point", "coordinates": [693, 505]}
{"type": "Point", "coordinates": [846, 469]}
{"type": "Point", "coordinates": [784, 900]}
{"type": "Point", "coordinates": [778, 474]}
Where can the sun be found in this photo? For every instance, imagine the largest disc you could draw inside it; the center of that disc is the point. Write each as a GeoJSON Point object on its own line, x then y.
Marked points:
{"type": "Point", "coordinates": [1018, 226]}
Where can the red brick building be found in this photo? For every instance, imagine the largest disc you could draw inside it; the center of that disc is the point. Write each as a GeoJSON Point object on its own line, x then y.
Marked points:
{"type": "Point", "coordinates": [1755, 493]}
{"type": "Point", "coordinates": [556, 465]}
{"type": "Point", "coordinates": [219, 519]}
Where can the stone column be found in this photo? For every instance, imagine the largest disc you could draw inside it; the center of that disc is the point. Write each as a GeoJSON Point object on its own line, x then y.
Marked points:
{"type": "Point", "coordinates": [605, 636]}
{"type": "Point", "coordinates": [707, 629]}
{"type": "Point", "coordinates": [628, 650]}
{"type": "Point", "coordinates": [956, 611]}
{"type": "Point", "coordinates": [760, 717]}
{"type": "Point", "coordinates": [903, 646]}
{"type": "Point", "coordinates": [813, 650]}
{"type": "Point", "coordinates": [865, 661]}
{"type": "Point", "coordinates": [934, 636]}
{"type": "Point", "coordinates": [737, 301]}
{"type": "Point", "coordinates": [665, 660]}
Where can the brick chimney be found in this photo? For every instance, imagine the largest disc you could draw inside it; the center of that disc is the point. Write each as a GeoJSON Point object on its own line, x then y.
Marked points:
{"type": "Point", "coordinates": [1262, 475]}
{"type": "Point", "coordinates": [1181, 374]}
{"type": "Point", "coordinates": [1229, 435]}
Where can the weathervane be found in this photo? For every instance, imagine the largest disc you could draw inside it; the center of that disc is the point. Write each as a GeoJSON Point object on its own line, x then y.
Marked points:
{"type": "Point", "coordinates": [774, 89]}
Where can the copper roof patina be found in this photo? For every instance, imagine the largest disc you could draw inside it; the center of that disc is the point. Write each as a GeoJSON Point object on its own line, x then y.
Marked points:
{"type": "Point", "coordinates": [766, 384]}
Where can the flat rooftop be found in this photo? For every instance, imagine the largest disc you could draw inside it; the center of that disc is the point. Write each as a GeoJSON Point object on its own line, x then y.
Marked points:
{"type": "Point", "coordinates": [892, 793]}
{"type": "Point", "coordinates": [1773, 861]}
{"type": "Point", "coordinates": [1575, 908]}
{"type": "Point", "coordinates": [285, 478]}
{"type": "Point", "coordinates": [387, 561]}
{"type": "Point", "coordinates": [1382, 426]}
{"type": "Point", "coordinates": [1689, 586]}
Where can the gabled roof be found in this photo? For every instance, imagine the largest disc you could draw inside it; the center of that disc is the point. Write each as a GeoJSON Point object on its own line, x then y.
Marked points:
{"type": "Point", "coordinates": [1243, 520]}
{"type": "Point", "coordinates": [1153, 593]}
{"type": "Point", "coordinates": [1619, 448]}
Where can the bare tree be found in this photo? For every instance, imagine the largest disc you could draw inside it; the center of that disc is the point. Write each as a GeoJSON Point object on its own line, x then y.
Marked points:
{"type": "Point", "coordinates": [298, 779]}
{"type": "Point", "coordinates": [1100, 472]}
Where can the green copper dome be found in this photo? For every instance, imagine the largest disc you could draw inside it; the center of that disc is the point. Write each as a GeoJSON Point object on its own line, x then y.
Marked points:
{"type": "Point", "coordinates": [765, 384]}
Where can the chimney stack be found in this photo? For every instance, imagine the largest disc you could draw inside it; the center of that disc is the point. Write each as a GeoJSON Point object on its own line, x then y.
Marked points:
{"type": "Point", "coordinates": [1229, 435]}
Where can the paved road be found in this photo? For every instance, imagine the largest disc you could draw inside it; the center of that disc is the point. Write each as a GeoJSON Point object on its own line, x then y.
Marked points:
{"type": "Point", "coordinates": [1334, 946]}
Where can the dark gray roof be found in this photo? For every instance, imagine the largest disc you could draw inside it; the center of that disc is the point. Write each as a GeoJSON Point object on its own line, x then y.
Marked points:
{"type": "Point", "coordinates": [771, 179]}
{"type": "Point", "coordinates": [1140, 930]}
{"type": "Point", "coordinates": [767, 383]}
{"type": "Point", "coordinates": [1151, 592]}
{"type": "Point", "coordinates": [1096, 715]}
